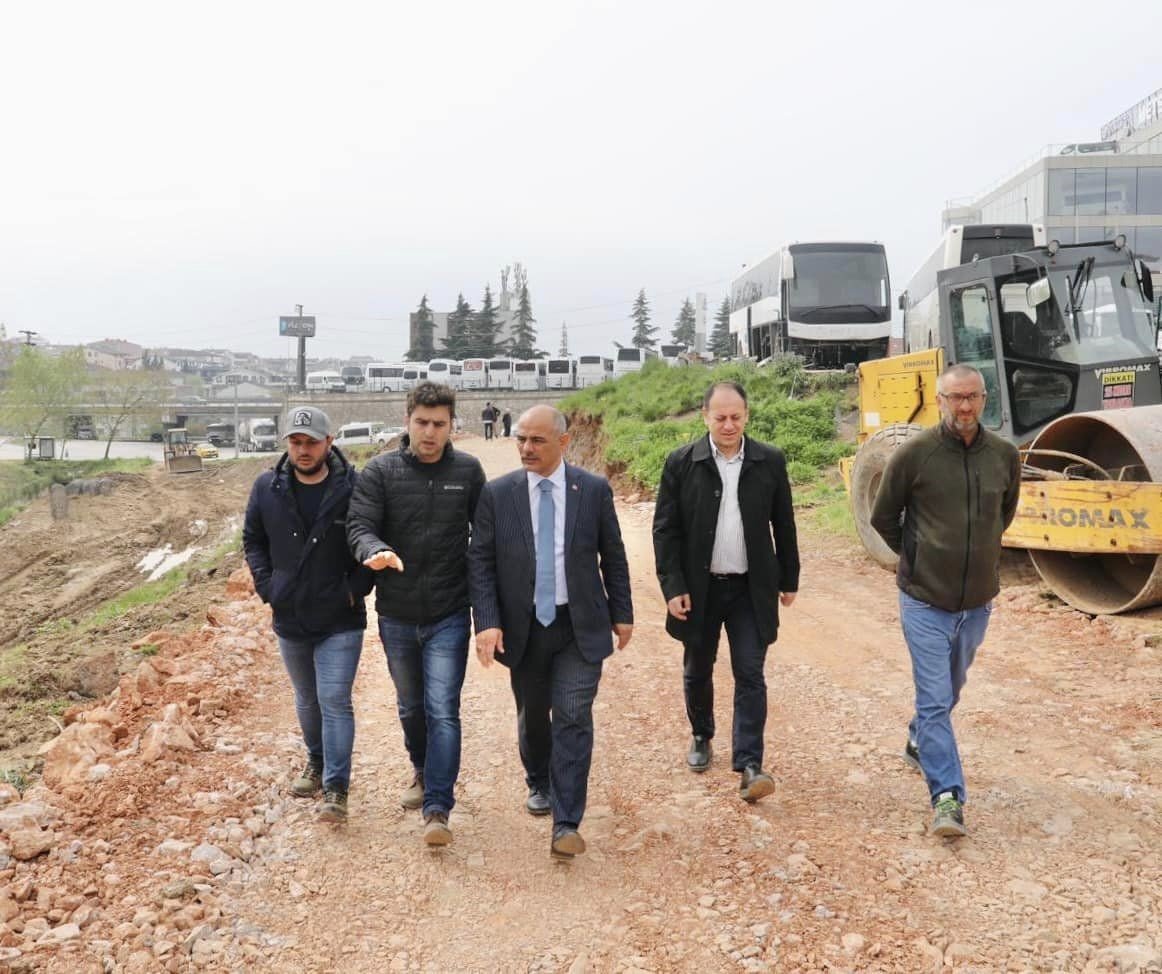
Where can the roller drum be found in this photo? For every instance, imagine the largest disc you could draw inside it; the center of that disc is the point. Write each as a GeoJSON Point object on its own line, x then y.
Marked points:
{"type": "Point", "coordinates": [1128, 444]}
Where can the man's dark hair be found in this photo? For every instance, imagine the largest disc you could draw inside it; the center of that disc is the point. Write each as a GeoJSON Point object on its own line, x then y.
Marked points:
{"type": "Point", "coordinates": [725, 384]}
{"type": "Point", "coordinates": [432, 394]}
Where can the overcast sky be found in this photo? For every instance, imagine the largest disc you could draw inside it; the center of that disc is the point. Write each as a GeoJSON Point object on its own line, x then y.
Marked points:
{"type": "Point", "coordinates": [184, 174]}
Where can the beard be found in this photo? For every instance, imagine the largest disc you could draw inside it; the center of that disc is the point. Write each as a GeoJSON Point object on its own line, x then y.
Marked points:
{"type": "Point", "coordinates": [308, 471]}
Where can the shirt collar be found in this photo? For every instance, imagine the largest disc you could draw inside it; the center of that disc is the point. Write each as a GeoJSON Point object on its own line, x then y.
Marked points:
{"type": "Point", "coordinates": [719, 455]}
{"type": "Point", "coordinates": [557, 477]}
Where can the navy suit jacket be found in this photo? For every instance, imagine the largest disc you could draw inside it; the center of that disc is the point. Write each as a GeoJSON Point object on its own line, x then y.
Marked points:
{"type": "Point", "coordinates": [502, 563]}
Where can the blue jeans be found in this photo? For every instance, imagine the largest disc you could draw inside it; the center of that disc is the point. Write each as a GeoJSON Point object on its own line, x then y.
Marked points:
{"type": "Point", "coordinates": [427, 666]}
{"type": "Point", "coordinates": [942, 645]}
{"type": "Point", "coordinates": [323, 672]}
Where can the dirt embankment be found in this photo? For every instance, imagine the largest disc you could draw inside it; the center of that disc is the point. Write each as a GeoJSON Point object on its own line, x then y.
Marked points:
{"type": "Point", "coordinates": [64, 637]}
{"type": "Point", "coordinates": [163, 837]}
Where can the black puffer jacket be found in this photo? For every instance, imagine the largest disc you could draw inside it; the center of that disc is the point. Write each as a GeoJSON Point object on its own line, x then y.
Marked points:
{"type": "Point", "coordinates": [422, 512]}
{"type": "Point", "coordinates": [312, 583]}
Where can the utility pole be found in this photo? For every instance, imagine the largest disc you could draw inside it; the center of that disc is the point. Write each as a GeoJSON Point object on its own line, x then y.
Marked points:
{"type": "Point", "coordinates": [27, 335]}
{"type": "Point", "coordinates": [235, 420]}
{"type": "Point", "coordinates": [564, 340]}
{"type": "Point", "coordinates": [302, 354]}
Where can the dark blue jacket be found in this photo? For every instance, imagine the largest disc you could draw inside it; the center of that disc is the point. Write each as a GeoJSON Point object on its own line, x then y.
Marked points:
{"type": "Point", "coordinates": [313, 584]}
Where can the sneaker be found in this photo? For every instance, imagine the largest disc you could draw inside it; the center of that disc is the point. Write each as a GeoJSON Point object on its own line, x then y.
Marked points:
{"type": "Point", "coordinates": [413, 797]}
{"type": "Point", "coordinates": [309, 781]}
{"type": "Point", "coordinates": [949, 820]}
{"type": "Point", "coordinates": [912, 756]}
{"type": "Point", "coordinates": [334, 807]}
{"type": "Point", "coordinates": [755, 784]}
{"type": "Point", "coordinates": [436, 831]}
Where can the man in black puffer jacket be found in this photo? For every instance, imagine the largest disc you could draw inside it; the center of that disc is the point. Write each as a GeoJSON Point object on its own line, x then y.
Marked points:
{"type": "Point", "coordinates": [411, 512]}
{"type": "Point", "coordinates": [296, 546]}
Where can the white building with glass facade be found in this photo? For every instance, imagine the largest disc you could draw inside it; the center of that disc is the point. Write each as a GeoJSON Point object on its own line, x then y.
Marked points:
{"type": "Point", "coordinates": [1087, 191]}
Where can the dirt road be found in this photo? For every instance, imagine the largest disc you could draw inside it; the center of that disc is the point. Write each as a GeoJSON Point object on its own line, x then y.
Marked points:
{"type": "Point", "coordinates": [1061, 739]}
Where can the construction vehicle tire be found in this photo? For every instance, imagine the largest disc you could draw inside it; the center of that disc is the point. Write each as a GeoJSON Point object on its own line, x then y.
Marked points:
{"type": "Point", "coordinates": [866, 473]}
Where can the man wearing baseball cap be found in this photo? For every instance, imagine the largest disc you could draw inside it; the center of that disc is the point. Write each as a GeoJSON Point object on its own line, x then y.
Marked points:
{"type": "Point", "coordinates": [295, 541]}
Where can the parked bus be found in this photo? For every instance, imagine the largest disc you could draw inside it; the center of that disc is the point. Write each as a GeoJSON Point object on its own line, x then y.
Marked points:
{"type": "Point", "coordinates": [500, 373]}
{"type": "Point", "coordinates": [325, 382]}
{"type": "Point", "coordinates": [672, 354]}
{"type": "Point", "coordinates": [631, 360]}
{"type": "Point", "coordinates": [828, 302]}
{"type": "Point", "coordinates": [959, 245]}
{"type": "Point", "coordinates": [592, 370]}
{"type": "Point", "coordinates": [560, 373]}
{"type": "Point", "coordinates": [413, 374]}
{"type": "Point", "coordinates": [475, 374]}
{"type": "Point", "coordinates": [384, 377]}
{"type": "Point", "coordinates": [445, 370]}
{"type": "Point", "coordinates": [528, 375]}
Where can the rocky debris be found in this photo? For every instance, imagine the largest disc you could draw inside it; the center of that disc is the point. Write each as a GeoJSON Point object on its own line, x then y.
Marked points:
{"type": "Point", "coordinates": [173, 732]}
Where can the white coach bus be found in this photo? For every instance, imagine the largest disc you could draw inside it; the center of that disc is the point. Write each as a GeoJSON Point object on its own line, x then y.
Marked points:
{"type": "Point", "coordinates": [560, 373]}
{"type": "Point", "coordinates": [631, 360]}
{"type": "Point", "coordinates": [829, 302]}
{"type": "Point", "coordinates": [592, 370]}
{"type": "Point", "coordinates": [500, 373]}
{"type": "Point", "coordinates": [959, 245]}
{"type": "Point", "coordinates": [445, 370]}
{"type": "Point", "coordinates": [383, 377]}
{"type": "Point", "coordinates": [413, 374]}
{"type": "Point", "coordinates": [475, 374]}
{"type": "Point", "coordinates": [528, 374]}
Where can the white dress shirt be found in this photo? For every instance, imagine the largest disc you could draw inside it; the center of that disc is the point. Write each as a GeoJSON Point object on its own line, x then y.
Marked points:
{"type": "Point", "coordinates": [729, 554]}
{"type": "Point", "coordinates": [557, 479]}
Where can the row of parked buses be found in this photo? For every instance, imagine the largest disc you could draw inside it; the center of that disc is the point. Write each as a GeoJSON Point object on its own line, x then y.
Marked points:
{"type": "Point", "coordinates": [508, 373]}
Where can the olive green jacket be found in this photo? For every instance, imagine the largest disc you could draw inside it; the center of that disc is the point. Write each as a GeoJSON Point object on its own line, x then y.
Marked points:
{"type": "Point", "coordinates": [942, 507]}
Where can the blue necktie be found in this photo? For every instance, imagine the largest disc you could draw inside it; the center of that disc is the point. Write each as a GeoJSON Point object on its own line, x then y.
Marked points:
{"type": "Point", "coordinates": [545, 592]}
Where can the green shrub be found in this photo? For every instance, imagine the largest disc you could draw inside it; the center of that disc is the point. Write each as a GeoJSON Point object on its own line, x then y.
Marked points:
{"type": "Point", "coordinates": [647, 414]}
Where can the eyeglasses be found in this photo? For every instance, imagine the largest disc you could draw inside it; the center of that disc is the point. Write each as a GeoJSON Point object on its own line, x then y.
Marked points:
{"type": "Point", "coordinates": [956, 398]}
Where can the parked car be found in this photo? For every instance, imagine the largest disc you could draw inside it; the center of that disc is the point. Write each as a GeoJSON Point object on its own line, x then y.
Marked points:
{"type": "Point", "coordinates": [207, 451]}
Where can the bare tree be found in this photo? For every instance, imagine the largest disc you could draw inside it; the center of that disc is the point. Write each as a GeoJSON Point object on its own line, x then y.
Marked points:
{"type": "Point", "coordinates": [118, 394]}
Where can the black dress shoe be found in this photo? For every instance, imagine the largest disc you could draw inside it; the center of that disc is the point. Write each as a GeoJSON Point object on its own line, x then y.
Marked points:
{"type": "Point", "coordinates": [538, 802]}
{"type": "Point", "coordinates": [566, 844]}
{"type": "Point", "coordinates": [699, 757]}
{"type": "Point", "coordinates": [755, 784]}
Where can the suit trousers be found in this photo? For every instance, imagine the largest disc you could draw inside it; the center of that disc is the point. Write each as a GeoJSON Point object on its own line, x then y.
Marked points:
{"type": "Point", "coordinates": [728, 604]}
{"type": "Point", "coordinates": [554, 687]}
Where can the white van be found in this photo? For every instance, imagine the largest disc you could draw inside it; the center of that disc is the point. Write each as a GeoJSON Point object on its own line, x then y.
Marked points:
{"type": "Point", "coordinates": [358, 434]}
{"type": "Point", "coordinates": [325, 382]}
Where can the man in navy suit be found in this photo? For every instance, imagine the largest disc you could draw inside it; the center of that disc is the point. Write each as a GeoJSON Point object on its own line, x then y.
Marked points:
{"type": "Point", "coordinates": [550, 583]}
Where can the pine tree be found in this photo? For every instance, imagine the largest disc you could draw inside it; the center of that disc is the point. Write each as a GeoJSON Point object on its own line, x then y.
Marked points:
{"type": "Point", "coordinates": [643, 333]}
{"type": "Point", "coordinates": [459, 343]}
{"type": "Point", "coordinates": [683, 333]}
{"type": "Point", "coordinates": [484, 327]}
{"type": "Point", "coordinates": [423, 327]}
{"type": "Point", "coordinates": [524, 335]}
{"type": "Point", "coordinates": [719, 345]}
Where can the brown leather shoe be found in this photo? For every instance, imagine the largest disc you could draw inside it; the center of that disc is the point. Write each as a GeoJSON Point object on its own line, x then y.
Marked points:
{"type": "Point", "coordinates": [413, 796]}
{"type": "Point", "coordinates": [436, 831]}
{"type": "Point", "coordinates": [755, 784]}
{"type": "Point", "coordinates": [566, 844]}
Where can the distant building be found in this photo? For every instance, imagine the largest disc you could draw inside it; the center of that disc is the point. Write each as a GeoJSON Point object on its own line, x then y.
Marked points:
{"type": "Point", "coordinates": [114, 353]}
{"type": "Point", "coordinates": [1087, 191]}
